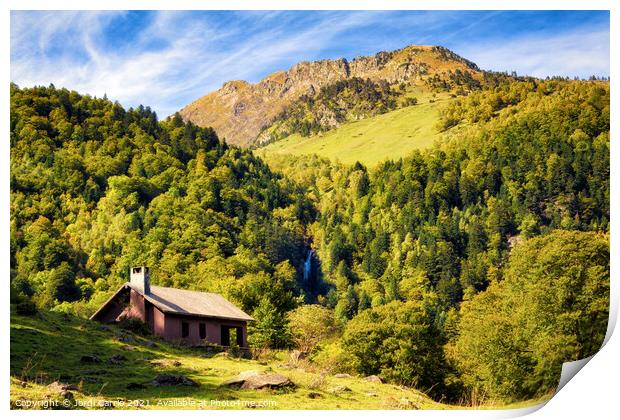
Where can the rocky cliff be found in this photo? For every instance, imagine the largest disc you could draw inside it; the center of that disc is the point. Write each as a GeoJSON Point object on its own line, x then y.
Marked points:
{"type": "Point", "coordinates": [239, 110]}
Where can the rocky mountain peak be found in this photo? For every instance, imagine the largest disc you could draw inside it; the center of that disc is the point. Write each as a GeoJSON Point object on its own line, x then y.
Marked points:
{"type": "Point", "coordinates": [239, 110]}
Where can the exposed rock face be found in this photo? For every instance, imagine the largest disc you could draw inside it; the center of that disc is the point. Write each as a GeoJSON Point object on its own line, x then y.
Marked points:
{"type": "Point", "coordinates": [254, 380]}
{"type": "Point", "coordinates": [166, 379]}
{"type": "Point", "coordinates": [239, 110]}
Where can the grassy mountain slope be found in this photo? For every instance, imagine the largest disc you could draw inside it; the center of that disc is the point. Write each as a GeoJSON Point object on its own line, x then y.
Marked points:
{"type": "Point", "coordinates": [369, 141]}
{"type": "Point", "coordinates": [239, 111]}
{"type": "Point", "coordinates": [48, 346]}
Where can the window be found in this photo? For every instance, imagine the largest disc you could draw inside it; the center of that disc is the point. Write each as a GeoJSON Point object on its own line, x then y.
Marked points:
{"type": "Point", "coordinates": [203, 330]}
{"type": "Point", "coordinates": [184, 329]}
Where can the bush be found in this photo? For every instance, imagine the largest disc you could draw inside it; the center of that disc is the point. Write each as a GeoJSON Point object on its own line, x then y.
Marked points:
{"type": "Point", "coordinates": [134, 325]}
{"type": "Point", "coordinates": [399, 342]}
{"type": "Point", "coordinates": [332, 358]}
{"type": "Point", "coordinates": [26, 307]}
{"type": "Point", "coordinates": [311, 324]}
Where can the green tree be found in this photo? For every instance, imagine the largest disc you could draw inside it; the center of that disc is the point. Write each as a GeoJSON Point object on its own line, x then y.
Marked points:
{"type": "Point", "coordinates": [550, 308]}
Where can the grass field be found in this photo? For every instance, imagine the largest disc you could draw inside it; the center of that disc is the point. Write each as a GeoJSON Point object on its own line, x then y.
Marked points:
{"type": "Point", "coordinates": [48, 347]}
{"type": "Point", "coordinates": [387, 136]}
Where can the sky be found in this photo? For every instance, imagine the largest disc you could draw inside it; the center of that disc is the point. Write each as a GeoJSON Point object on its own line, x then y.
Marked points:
{"type": "Point", "coordinates": [167, 59]}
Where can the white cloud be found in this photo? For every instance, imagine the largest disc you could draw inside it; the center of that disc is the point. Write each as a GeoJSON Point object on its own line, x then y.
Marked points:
{"type": "Point", "coordinates": [168, 78]}
{"type": "Point", "coordinates": [576, 53]}
{"type": "Point", "coordinates": [192, 60]}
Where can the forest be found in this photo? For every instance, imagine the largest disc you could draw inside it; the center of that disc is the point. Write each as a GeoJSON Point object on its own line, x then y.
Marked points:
{"type": "Point", "coordinates": [470, 270]}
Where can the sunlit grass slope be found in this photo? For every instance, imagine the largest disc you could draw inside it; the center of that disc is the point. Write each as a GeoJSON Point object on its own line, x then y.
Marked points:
{"type": "Point", "coordinates": [48, 347]}
{"type": "Point", "coordinates": [372, 140]}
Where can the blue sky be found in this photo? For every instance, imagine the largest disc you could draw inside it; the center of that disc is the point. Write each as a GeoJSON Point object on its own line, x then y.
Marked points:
{"type": "Point", "coordinates": [167, 59]}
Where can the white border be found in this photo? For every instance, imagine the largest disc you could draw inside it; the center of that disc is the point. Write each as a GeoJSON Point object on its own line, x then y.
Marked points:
{"type": "Point", "coordinates": [593, 393]}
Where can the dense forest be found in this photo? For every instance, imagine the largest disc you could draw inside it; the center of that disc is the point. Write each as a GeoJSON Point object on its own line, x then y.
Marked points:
{"type": "Point", "coordinates": [504, 224]}
{"type": "Point", "coordinates": [96, 189]}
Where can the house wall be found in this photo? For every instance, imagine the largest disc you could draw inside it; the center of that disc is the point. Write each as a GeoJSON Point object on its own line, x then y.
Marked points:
{"type": "Point", "coordinates": [137, 306]}
{"type": "Point", "coordinates": [173, 329]}
{"type": "Point", "coordinates": [159, 322]}
{"type": "Point", "coordinates": [168, 326]}
{"type": "Point", "coordinates": [113, 310]}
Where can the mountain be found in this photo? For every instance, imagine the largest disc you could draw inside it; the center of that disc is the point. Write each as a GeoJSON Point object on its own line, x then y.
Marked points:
{"type": "Point", "coordinates": [239, 110]}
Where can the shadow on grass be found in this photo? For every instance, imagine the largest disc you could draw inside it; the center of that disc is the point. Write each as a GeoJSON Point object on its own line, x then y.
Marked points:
{"type": "Point", "coordinates": [50, 347]}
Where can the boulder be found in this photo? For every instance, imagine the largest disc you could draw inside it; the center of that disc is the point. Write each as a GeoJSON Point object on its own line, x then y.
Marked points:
{"type": "Point", "coordinates": [125, 338]}
{"type": "Point", "coordinates": [295, 356]}
{"type": "Point", "coordinates": [117, 359]}
{"type": "Point", "coordinates": [166, 379]}
{"type": "Point", "coordinates": [374, 378]}
{"type": "Point", "coordinates": [165, 362]}
{"type": "Point", "coordinates": [342, 375]}
{"type": "Point", "coordinates": [340, 388]}
{"type": "Point", "coordinates": [252, 379]}
{"type": "Point", "coordinates": [90, 359]}
{"type": "Point", "coordinates": [59, 387]}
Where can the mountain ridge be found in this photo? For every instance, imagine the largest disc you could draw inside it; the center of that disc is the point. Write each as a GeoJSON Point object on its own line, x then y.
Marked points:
{"type": "Point", "coordinates": [239, 110]}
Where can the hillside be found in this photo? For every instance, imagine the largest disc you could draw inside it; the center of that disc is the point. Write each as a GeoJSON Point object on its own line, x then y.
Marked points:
{"type": "Point", "coordinates": [399, 270]}
{"type": "Point", "coordinates": [239, 111]}
{"type": "Point", "coordinates": [371, 140]}
{"type": "Point", "coordinates": [48, 347]}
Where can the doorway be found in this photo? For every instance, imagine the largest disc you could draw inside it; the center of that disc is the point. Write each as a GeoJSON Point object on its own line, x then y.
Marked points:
{"type": "Point", "coordinates": [231, 335]}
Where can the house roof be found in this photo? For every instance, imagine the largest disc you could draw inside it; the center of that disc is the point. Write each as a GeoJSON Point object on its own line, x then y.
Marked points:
{"type": "Point", "coordinates": [187, 302]}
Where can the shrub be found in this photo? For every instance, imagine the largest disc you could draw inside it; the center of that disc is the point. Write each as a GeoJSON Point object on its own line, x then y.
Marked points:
{"type": "Point", "coordinates": [311, 324]}
{"type": "Point", "coordinates": [26, 307]}
{"type": "Point", "coordinates": [134, 325]}
{"type": "Point", "coordinates": [399, 342]}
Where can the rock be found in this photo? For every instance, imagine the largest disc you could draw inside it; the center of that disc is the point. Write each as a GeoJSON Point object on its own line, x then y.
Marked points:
{"type": "Point", "coordinates": [90, 359]}
{"type": "Point", "coordinates": [340, 388]}
{"type": "Point", "coordinates": [342, 375]}
{"type": "Point", "coordinates": [238, 380]}
{"type": "Point", "coordinates": [67, 395]}
{"type": "Point", "coordinates": [117, 359]}
{"type": "Point", "coordinates": [165, 362]}
{"type": "Point", "coordinates": [125, 338]}
{"type": "Point", "coordinates": [314, 395]}
{"type": "Point", "coordinates": [374, 378]}
{"type": "Point", "coordinates": [408, 404]}
{"type": "Point", "coordinates": [166, 379]}
{"type": "Point", "coordinates": [252, 379]}
{"type": "Point", "coordinates": [134, 385]}
{"type": "Point", "coordinates": [59, 387]}
{"type": "Point", "coordinates": [297, 355]}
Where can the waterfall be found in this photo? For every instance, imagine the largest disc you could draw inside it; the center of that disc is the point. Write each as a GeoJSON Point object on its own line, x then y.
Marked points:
{"type": "Point", "coordinates": [308, 266]}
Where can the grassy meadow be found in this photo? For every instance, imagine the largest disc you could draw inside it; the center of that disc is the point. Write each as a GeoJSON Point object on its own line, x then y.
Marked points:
{"type": "Point", "coordinates": [47, 347]}
{"type": "Point", "coordinates": [372, 140]}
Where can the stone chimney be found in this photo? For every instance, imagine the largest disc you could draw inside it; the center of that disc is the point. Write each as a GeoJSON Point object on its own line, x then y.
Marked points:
{"type": "Point", "coordinates": [140, 277]}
